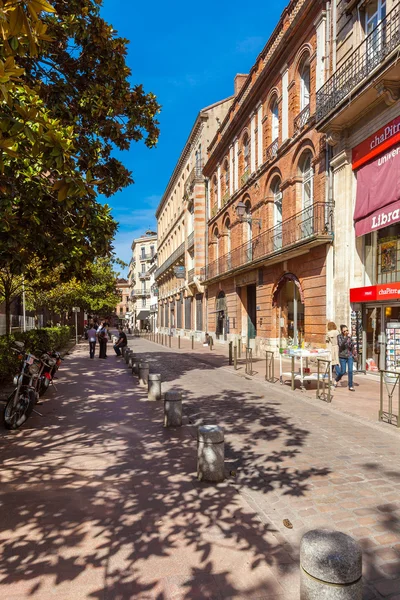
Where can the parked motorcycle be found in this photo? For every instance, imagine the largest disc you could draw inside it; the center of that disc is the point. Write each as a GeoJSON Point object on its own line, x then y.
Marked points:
{"type": "Point", "coordinates": [22, 400]}
{"type": "Point", "coordinates": [52, 361]}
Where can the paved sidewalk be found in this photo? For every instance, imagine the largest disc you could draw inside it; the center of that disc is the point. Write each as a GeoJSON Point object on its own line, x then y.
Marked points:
{"type": "Point", "coordinates": [100, 502]}
{"type": "Point", "coordinates": [364, 402]}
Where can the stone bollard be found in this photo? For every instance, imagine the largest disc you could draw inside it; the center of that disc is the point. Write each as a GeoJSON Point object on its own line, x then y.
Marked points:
{"type": "Point", "coordinates": [154, 388]}
{"type": "Point", "coordinates": [173, 409]}
{"type": "Point", "coordinates": [144, 369]}
{"type": "Point", "coordinates": [131, 360]}
{"type": "Point", "coordinates": [135, 367]}
{"type": "Point", "coordinates": [210, 453]}
{"type": "Point", "coordinates": [123, 350]}
{"type": "Point", "coordinates": [127, 355]}
{"type": "Point", "coordinates": [330, 566]}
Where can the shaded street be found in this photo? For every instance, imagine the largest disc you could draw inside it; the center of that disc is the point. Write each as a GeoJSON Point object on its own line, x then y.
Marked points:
{"type": "Point", "coordinates": [99, 501]}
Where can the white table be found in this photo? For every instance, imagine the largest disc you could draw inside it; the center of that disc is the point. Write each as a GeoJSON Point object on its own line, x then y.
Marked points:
{"type": "Point", "coordinates": [300, 376]}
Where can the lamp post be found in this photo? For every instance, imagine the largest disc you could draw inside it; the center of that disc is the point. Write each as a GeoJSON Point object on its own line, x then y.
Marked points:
{"type": "Point", "coordinates": [243, 216]}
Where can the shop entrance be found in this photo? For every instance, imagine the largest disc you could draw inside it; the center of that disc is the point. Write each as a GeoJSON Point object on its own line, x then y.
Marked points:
{"type": "Point", "coordinates": [290, 310]}
{"type": "Point", "coordinates": [382, 337]}
{"type": "Point", "coordinates": [251, 312]}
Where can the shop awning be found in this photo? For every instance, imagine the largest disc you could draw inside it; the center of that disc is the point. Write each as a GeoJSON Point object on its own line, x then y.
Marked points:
{"type": "Point", "coordinates": [378, 193]}
{"type": "Point", "coordinates": [143, 315]}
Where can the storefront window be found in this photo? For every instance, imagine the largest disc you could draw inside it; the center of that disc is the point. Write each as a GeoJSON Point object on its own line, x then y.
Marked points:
{"type": "Point", "coordinates": [388, 255]}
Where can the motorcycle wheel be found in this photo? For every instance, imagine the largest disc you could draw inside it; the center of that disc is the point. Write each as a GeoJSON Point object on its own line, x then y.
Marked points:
{"type": "Point", "coordinates": [44, 386]}
{"type": "Point", "coordinates": [15, 415]}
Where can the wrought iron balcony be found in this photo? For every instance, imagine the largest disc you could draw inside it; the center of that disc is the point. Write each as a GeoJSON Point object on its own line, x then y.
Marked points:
{"type": "Point", "coordinates": [245, 177]}
{"type": "Point", "coordinates": [175, 256]}
{"type": "Point", "coordinates": [361, 65]}
{"type": "Point", "coordinates": [135, 293]}
{"type": "Point", "coordinates": [144, 276]}
{"type": "Point", "coordinates": [147, 256]}
{"type": "Point", "coordinates": [190, 240]}
{"type": "Point", "coordinates": [196, 174]}
{"type": "Point", "coordinates": [305, 226]}
{"type": "Point", "coordinates": [190, 275]}
{"type": "Point", "coordinates": [272, 150]}
{"type": "Point", "coordinates": [302, 119]}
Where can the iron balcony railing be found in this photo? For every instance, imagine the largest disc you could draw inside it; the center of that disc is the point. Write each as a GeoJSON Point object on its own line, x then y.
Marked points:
{"type": "Point", "coordinates": [360, 65]}
{"type": "Point", "coordinates": [176, 255]}
{"type": "Point", "coordinates": [302, 119]}
{"type": "Point", "coordinates": [140, 293]}
{"type": "Point", "coordinates": [272, 150]}
{"type": "Point", "coordinates": [316, 220]}
{"type": "Point", "coordinates": [190, 275]}
{"type": "Point", "coordinates": [190, 240]}
{"type": "Point", "coordinates": [196, 174]}
{"type": "Point", "coordinates": [146, 256]}
{"type": "Point", "coordinates": [144, 276]}
{"type": "Point", "coordinates": [245, 177]}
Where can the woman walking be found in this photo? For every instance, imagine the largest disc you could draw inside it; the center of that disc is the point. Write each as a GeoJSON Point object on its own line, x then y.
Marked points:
{"type": "Point", "coordinates": [332, 342]}
{"type": "Point", "coordinates": [346, 356]}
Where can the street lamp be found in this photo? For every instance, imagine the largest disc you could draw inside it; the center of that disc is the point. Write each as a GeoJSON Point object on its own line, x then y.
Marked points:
{"type": "Point", "coordinates": [243, 216]}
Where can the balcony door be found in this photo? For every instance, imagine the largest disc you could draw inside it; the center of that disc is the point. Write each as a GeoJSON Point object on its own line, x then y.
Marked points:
{"type": "Point", "coordinates": [307, 200]}
{"type": "Point", "coordinates": [277, 194]}
{"type": "Point", "coordinates": [375, 30]}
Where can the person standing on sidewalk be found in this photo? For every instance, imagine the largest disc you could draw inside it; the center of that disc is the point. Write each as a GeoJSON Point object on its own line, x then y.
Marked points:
{"type": "Point", "coordinates": [332, 343]}
{"type": "Point", "coordinates": [346, 356]}
{"type": "Point", "coordinates": [91, 336]}
{"type": "Point", "coordinates": [102, 337]}
{"type": "Point", "coordinates": [122, 341]}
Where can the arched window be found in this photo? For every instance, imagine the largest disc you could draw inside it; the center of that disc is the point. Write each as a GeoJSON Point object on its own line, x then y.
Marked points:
{"type": "Point", "coordinates": [216, 240]}
{"type": "Point", "coordinates": [277, 195]}
{"type": "Point", "coordinates": [226, 176]}
{"type": "Point", "coordinates": [215, 191]}
{"type": "Point", "coordinates": [307, 193]}
{"type": "Point", "coordinates": [246, 154]}
{"type": "Point", "coordinates": [305, 83]}
{"type": "Point", "coordinates": [227, 235]}
{"type": "Point", "coordinates": [274, 120]}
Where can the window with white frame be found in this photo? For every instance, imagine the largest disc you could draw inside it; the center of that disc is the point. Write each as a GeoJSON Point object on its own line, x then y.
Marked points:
{"type": "Point", "coordinates": [308, 182]}
{"type": "Point", "coordinates": [246, 153]}
{"type": "Point", "coordinates": [274, 120]}
{"type": "Point", "coordinates": [305, 84]}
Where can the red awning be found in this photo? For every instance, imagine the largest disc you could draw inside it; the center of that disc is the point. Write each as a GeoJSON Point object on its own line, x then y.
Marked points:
{"type": "Point", "coordinates": [378, 193]}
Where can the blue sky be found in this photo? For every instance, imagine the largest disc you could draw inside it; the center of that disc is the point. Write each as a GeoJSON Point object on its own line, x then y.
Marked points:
{"type": "Point", "coordinates": [187, 55]}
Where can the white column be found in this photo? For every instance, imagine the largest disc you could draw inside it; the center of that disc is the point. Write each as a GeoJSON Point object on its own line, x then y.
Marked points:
{"type": "Point", "coordinates": [219, 186]}
{"type": "Point", "coordinates": [231, 175]}
{"type": "Point", "coordinates": [259, 136]}
{"type": "Point", "coordinates": [320, 26]}
{"type": "Point", "coordinates": [285, 104]}
{"type": "Point", "coordinates": [253, 143]}
{"type": "Point", "coordinates": [236, 155]}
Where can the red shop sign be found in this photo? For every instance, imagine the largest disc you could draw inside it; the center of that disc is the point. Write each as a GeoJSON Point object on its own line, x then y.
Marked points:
{"type": "Point", "coordinates": [376, 143]}
{"type": "Point", "coordinates": [388, 291]}
{"type": "Point", "coordinates": [363, 294]}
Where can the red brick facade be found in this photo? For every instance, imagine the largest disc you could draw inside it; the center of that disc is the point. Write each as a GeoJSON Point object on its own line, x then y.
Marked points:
{"type": "Point", "coordinates": [301, 242]}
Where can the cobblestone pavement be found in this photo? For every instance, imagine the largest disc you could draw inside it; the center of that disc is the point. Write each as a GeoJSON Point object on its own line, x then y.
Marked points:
{"type": "Point", "coordinates": [100, 502]}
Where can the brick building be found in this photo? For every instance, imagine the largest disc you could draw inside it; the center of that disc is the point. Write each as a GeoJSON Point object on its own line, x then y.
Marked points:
{"type": "Point", "coordinates": [270, 224]}
{"type": "Point", "coordinates": [122, 308]}
{"type": "Point", "coordinates": [181, 220]}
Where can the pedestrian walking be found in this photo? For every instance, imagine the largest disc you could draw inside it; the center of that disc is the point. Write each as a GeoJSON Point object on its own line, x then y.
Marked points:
{"type": "Point", "coordinates": [347, 354]}
{"type": "Point", "coordinates": [122, 341]}
{"type": "Point", "coordinates": [102, 337]}
{"type": "Point", "coordinates": [332, 344]}
{"type": "Point", "coordinates": [91, 336]}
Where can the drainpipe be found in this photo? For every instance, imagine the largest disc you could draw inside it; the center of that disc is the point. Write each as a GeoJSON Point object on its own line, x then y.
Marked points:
{"type": "Point", "coordinates": [206, 182]}
{"type": "Point", "coordinates": [334, 30]}
{"type": "Point", "coordinates": [328, 40]}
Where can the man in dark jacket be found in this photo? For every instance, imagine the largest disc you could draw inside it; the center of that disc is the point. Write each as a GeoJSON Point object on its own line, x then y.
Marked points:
{"type": "Point", "coordinates": [122, 341]}
{"type": "Point", "coordinates": [346, 356]}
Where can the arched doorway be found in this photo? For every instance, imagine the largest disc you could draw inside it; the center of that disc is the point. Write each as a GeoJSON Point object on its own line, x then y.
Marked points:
{"type": "Point", "coordinates": [288, 299]}
{"type": "Point", "coordinates": [220, 316]}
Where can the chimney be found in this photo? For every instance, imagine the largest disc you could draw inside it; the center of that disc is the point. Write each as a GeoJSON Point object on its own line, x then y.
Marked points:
{"type": "Point", "coordinates": [239, 80]}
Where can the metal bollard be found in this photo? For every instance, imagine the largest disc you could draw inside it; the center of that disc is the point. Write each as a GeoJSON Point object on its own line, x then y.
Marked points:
{"type": "Point", "coordinates": [169, 340]}
{"type": "Point", "coordinates": [239, 348]}
{"type": "Point", "coordinates": [144, 369]}
{"type": "Point", "coordinates": [235, 358]}
{"type": "Point", "coordinates": [179, 341]}
{"type": "Point", "coordinates": [330, 566]}
{"type": "Point", "coordinates": [192, 342]}
{"type": "Point", "coordinates": [211, 342]}
{"type": "Point", "coordinates": [210, 453]}
{"type": "Point", "coordinates": [154, 386]}
{"type": "Point", "coordinates": [230, 353]}
{"type": "Point", "coordinates": [173, 409]}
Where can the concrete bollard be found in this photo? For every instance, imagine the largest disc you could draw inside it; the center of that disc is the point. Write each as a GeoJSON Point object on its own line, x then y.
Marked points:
{"type": "Point", "coordinates": [131, 360]}
{"type": "Point", "coordinates": [123, 350]}
{"type": "Point", "coordinates": [330, 566]}
{"type": "Point", "coordinates": [173, 409]}
{"type": "Point", "coordinates": [135, 367]}
{"type": "Point", "coordinates": [154, 386]}
{"type": "Point", "coordinates": [144, 369]}
{"type": "Point", "coordinates": [127, 355]}
{"type": "Point", "coordinates": [210, 453]}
